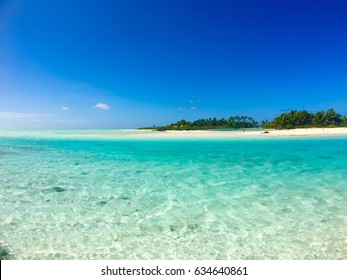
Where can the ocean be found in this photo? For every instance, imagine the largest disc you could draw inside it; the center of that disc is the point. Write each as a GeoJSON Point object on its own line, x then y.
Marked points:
{"type": "Point", "coordinates": [78, 197]}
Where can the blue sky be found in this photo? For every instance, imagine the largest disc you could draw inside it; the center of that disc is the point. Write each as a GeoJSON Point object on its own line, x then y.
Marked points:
{"type": "Point", "coordinates": [126, 64]}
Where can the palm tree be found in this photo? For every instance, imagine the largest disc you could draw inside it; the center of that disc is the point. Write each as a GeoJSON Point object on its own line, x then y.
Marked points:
{"type": "Point", "coordinates": [320, 118]}
{"type": "Point", "coordinates": [284, 120]}
{"type": "Point", "coordinates": [332, 117]}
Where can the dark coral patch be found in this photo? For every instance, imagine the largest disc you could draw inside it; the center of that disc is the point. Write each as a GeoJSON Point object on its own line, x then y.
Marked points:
{"type": "Point", "coordinates": [4, 253]}
{"type": "Point", "coordinates": [101, 203]}
{"type": "Point", "coordinates": [58, 189]}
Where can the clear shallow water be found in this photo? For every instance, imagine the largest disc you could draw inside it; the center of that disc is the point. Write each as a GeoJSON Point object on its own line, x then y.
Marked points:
{"type": "Point", "coordinates": [161, 199]}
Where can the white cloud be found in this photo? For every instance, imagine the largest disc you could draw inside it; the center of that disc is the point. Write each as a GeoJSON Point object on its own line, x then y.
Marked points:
{"type": "Point", "coordinates": [102, 106]}
{"type": "Point", "coordinates": [65, 108]}
{"type": "Point", "coordinates": [194, 101]}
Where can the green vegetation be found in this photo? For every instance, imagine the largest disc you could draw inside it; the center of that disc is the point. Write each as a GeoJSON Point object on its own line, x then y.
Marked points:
{"type": "Point", "coordinates": [230, 123]}
{"type": "Point", "coordinates": [293, 119]}
{"type": "Point", "coordinates": [344, 120]}
{"type": "Point", "coordinates": [304, 119]}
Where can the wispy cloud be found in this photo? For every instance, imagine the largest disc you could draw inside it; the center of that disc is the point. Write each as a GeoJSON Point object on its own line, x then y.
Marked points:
{"type": "Point", "coordinates": [182, 108]}
{"type": "Point", "coordinates": [65, 108]}
{"type": "Point", "coordinates": [22, 116]}
{"type": "Point", "coordinates": [102, 106]}
{"type": "Point", "coordinates": [191, 101]}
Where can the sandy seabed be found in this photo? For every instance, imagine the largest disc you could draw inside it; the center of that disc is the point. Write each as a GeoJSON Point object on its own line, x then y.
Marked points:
{"type": "Point", "coordinates": [135, 194]}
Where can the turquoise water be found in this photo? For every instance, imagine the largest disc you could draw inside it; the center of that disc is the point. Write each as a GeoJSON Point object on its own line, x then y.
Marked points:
{"type": "Point", "coordinates": [163, 199]}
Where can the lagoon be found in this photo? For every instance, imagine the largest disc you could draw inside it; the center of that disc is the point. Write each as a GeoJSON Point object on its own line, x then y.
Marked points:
{"type": "Point", "coordinates": [67, 196]}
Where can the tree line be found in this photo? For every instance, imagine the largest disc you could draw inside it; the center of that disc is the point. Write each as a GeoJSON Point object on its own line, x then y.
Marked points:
{"type": "Point", "coordinates": [304, 119]}
{"type": "Point", "coordinates": [293, 119]}
{"type": "Point", "coordinates": [211, 123]}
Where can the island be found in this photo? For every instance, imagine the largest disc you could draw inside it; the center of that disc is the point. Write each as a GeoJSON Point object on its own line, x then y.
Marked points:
{"type": "Point", "coordinates": [293, 119]}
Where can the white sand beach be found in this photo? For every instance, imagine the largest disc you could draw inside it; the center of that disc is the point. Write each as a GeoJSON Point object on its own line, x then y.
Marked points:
{"type": "Point", "coordinates": [184, 134]}
{"type": "Point", "coordinates": [192, 134]}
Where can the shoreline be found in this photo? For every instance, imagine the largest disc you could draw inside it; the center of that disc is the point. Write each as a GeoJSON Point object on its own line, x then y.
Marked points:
{"type": "Point", "coordinates": [174, 134]}
{"type": "Point", "coordinates": [250, 134]}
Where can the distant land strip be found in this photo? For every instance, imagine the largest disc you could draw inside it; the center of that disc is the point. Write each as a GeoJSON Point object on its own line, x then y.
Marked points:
{"type": "Point", "coordinates": [291, 120]}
